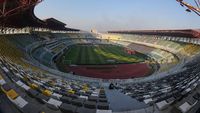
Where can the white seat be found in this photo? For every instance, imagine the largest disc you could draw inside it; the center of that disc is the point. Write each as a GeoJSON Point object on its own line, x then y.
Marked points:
{"type": "Point", "coordinates": [148, 100]}
{"type": "Point", "coordinates": [185, 107]}
{"type": "Point", "coordinates": [20, 76]}
{"type": "Point", "coordinates": [146, 96]}
{"type": "Point", "coordinates": [84, 97]}
{"type": "Point", "coordinates": [103, 111]}
{"type": "Point", "coordinates": [54, 102]}
{"type": "Point", "coordinates": [2, 82]}
{"type": "Point", "coordinates": [20, 83]}
{"type": "Point", "coordinates": [20, 102]}
{"type": "Point", "coordinates": [5, 69]}
{"type": "Point", "coordinates": [57, 95]}
{"type": "Point", "coordinates": [162, 105]}
{"type": "Point", "coordinates": [26, 87]}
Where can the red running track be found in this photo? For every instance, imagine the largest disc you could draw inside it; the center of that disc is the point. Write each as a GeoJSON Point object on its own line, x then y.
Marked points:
{"type": "Point", "coordinates": [120, 71]}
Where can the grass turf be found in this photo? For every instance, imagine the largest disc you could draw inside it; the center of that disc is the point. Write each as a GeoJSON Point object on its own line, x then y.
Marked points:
{"type": "Point", "coordinates": [99, 54]}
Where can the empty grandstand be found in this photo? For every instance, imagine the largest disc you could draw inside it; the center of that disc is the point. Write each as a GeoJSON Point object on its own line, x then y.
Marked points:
{"type": "Point", "coordinates": [46, 67]}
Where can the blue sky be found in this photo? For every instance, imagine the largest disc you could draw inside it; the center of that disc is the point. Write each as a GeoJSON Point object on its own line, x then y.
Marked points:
{"type": "Point", "coordinates": [106, 15]}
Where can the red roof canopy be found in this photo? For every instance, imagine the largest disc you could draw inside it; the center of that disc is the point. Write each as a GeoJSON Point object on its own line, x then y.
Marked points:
{"type": "Point", "coordinates": [11, 7]}
{"type": "Point", "coordinates": [20, 13]}
{"type": "Point", "coordinates": [2, 1]}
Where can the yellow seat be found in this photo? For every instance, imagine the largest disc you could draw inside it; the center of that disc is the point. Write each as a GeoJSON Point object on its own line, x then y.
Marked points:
{"type": "Point", "coordinates": [47, 92]}
{"type": "Point", "coordinates": [71, 91]}
{"type": "Point", "coordinates": [12, 94]}
{"type": "Point", "coordinates": [34, 86]}
{"type": "Point", "coordinates": [1, 77]}
{"type": "Point", "coordinates": [25, 79]}
{"type": "Point", "coordinates": [85, 88]}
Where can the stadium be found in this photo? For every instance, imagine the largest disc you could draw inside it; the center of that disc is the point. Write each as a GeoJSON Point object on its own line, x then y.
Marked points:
{"type": "Point", "coordinates": [46, 67]}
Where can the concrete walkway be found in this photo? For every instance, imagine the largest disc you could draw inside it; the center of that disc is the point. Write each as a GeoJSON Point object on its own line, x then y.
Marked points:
{"type": "Point", "coordinates": [120, 102]}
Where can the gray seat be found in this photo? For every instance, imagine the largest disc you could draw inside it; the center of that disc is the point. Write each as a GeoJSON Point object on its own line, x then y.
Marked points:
{"type": "Point", "coordinates": [68, 108]}
{"type": "Point", "coordinates": [103, 100]}
{"type": "Point", "coordinates": [30, 108]}
{"type": "Point", "coordinates": [78, 102]}
{"type": "Point", "coordinates": [191, 101]}
{"type": "Point", "coordinates": [85, 110]}
{"type": "Point", "coordinates": [32, 93]}
{"type": "Point", "coordinates": [103, 105]}
{"type": "Point", "coordinates": [93, 98]}
{"type": "Point", "coordinates": [6, 87]}
{"type": "Point", "coordinates": [66, 99]}
{"type": "Point", "coordinates": [196, 96]}
{"type": "Point", "coordinates": [42, 98]}
{"type": "Point", "coordinates": [172, 99]}
{"type": "Point", "coordinates": [90, 104]}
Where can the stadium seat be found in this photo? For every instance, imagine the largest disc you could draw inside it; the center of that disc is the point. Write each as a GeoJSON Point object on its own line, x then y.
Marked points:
{"type": "Point", "coordinates": [93, 98]}
{"type": "Point", "coordinates": [42, 98]}
{"type": "Point", "coordinates": [78, 102]}
{"type": "Point", "coordinates": [27, 71]}
{"type": "Point", "coordinates": [12, 94]}
{"type": "Point", "coordinates": [90, 104]}
{"type": "Point", "coordinates": [2, 81]}
{"type": "Point", "coordinates": [103, 105]}
{"type": "Point", "coordinates": [47, 92]}
{"type": "Point", "coordinates": [67, 108]}
{"type": "Point", "coordinates": [85, 110]}
{"type": "Point", "coordinates": [65, 99]}
{"type": "Point", "coordinates": [32, 93]}
{"type": "Point", "coordinates": [54, 102]}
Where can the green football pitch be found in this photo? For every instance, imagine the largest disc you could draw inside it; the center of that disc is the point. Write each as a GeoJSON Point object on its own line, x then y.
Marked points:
{"type": "Point", "coordinates": [99, 54]}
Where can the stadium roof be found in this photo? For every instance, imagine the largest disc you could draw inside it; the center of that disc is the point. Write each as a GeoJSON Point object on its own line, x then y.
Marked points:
{"type": "Point", "coordinates": [53, 20]}
{"type": "Point", "coordinates": [192, 33]}
{"type": "Point", "coordinates": [20, 13]}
